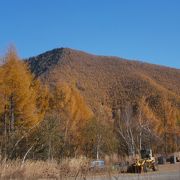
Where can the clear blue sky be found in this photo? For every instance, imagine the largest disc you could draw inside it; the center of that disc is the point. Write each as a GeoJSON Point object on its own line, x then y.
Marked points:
{"type": "Point", "coordinates": [147, 30]}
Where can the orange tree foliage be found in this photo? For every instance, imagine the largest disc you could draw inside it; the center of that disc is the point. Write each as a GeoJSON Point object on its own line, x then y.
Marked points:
{"type": "Point", "coordinates": [163, 118]}
{"type": "Point", "coordinates": [68, 100]}
{"type": "Point", "coordinates": [69, 108]}
{"type": "Point", "coordinates": [42, 98]}
{"type": "Point", "coordinates": [18, 94]}
{"type": "Point", "coordinates": [169, 127]}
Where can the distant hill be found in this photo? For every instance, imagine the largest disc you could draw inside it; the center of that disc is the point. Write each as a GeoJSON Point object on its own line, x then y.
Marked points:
{"type": "Point", "coordinates": [110, 81]}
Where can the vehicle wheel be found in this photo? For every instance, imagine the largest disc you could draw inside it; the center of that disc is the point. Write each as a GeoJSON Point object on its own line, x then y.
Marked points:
{"type": "Point", "coordinates": [138, 169]}
{"type": "Point", "coordinates": [154, 167]}
{"type": "Point", "coordinates": [130, 169]}
{"type": "Point", "coordinates": [145, 168]}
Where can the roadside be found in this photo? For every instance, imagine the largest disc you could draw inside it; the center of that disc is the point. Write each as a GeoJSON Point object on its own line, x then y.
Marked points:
{"type": "Point", "coordinates": [165, 172]}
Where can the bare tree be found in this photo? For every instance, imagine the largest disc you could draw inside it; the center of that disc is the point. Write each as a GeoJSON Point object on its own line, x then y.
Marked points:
{"type": "Point", "coordinates": [125, 126]}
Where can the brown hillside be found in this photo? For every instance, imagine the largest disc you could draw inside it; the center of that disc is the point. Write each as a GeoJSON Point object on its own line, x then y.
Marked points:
{"type": "Point", "coordinates": [111, 81]}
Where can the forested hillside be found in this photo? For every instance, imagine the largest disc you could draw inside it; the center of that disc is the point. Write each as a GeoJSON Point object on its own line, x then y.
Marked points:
{"type": "Point", "coordinates": [67, 103]}
{"type": "Point", "coordinates": [111, 85]}
{"type": "Point", "coordinates": [99, 77]}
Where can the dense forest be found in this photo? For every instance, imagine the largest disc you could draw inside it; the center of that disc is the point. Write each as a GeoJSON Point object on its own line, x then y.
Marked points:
{"type": "Point", "coordinates": [67, 103]}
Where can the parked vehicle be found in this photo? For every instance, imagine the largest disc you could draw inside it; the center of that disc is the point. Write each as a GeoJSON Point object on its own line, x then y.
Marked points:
{"type": "Point", "coordinates": [97, 165]}
{"type": "Point", "coordinates": [145, 163]}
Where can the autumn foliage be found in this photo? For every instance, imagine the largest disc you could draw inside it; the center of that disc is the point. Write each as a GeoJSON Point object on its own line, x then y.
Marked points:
{"type": "Point", "coordinates": [44, 117]}
{"type": "Point", "coordinates": [18, 95]}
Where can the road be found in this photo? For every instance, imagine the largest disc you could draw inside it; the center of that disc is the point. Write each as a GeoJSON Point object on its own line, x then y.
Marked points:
{"type": "Point", "coordinates": [157, 176]}
{"type": "Point", "coordinates": [166, 172]}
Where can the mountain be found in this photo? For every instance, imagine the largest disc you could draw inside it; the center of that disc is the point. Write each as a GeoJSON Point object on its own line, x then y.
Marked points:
{"type": "Point", "coordinates": [111, 81]}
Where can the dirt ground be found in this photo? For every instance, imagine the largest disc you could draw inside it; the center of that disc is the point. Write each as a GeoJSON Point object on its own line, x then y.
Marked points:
{"type": "Point", "coordinates": [165, 172]}
{"type": "Point", "coordinates": [169, 167]}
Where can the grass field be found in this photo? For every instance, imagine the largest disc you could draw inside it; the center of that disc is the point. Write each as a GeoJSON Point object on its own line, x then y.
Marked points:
{"type": "Point", "coordinates": [76, 169]}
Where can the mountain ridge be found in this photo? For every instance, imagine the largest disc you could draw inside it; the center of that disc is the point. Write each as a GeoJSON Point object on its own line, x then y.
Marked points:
{"type": "Point", "coordinates": [68, 50]}
{"type": "Point", "coordinates": [107, 79]}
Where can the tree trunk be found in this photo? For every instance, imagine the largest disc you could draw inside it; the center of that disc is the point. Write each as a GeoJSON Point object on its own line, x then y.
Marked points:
{"type": "Point", "coordinates": [140, 140]}
{"type": "Point", "coordinates": [11, 114]}
{"type": "Point", "coordinates": [165, 134]}
{"type": "Point", "coordinates": [97, 152]}
{"type": "Point", "coordinates": [49, 150]}
{"type": "Point", "coordinates": [5, 132]}
{"type": "Point", "coordinates": [5, 123]}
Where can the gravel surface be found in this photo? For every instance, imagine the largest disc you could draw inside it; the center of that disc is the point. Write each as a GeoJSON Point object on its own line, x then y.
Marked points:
{"type": "Point", "coordinates": [166, 172]}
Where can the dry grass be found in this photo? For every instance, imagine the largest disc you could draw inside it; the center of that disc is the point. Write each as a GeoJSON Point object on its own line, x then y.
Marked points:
{"type": "Point", "coordinates": [67, 169]}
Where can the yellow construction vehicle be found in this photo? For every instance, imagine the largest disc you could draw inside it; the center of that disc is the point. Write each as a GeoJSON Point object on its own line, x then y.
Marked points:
{"type": "Point", "coordinates": [145, 163]}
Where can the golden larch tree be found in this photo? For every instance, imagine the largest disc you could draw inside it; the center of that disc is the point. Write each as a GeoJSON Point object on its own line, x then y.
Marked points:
{"type": "Point", "coordinates": [17, 94]}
